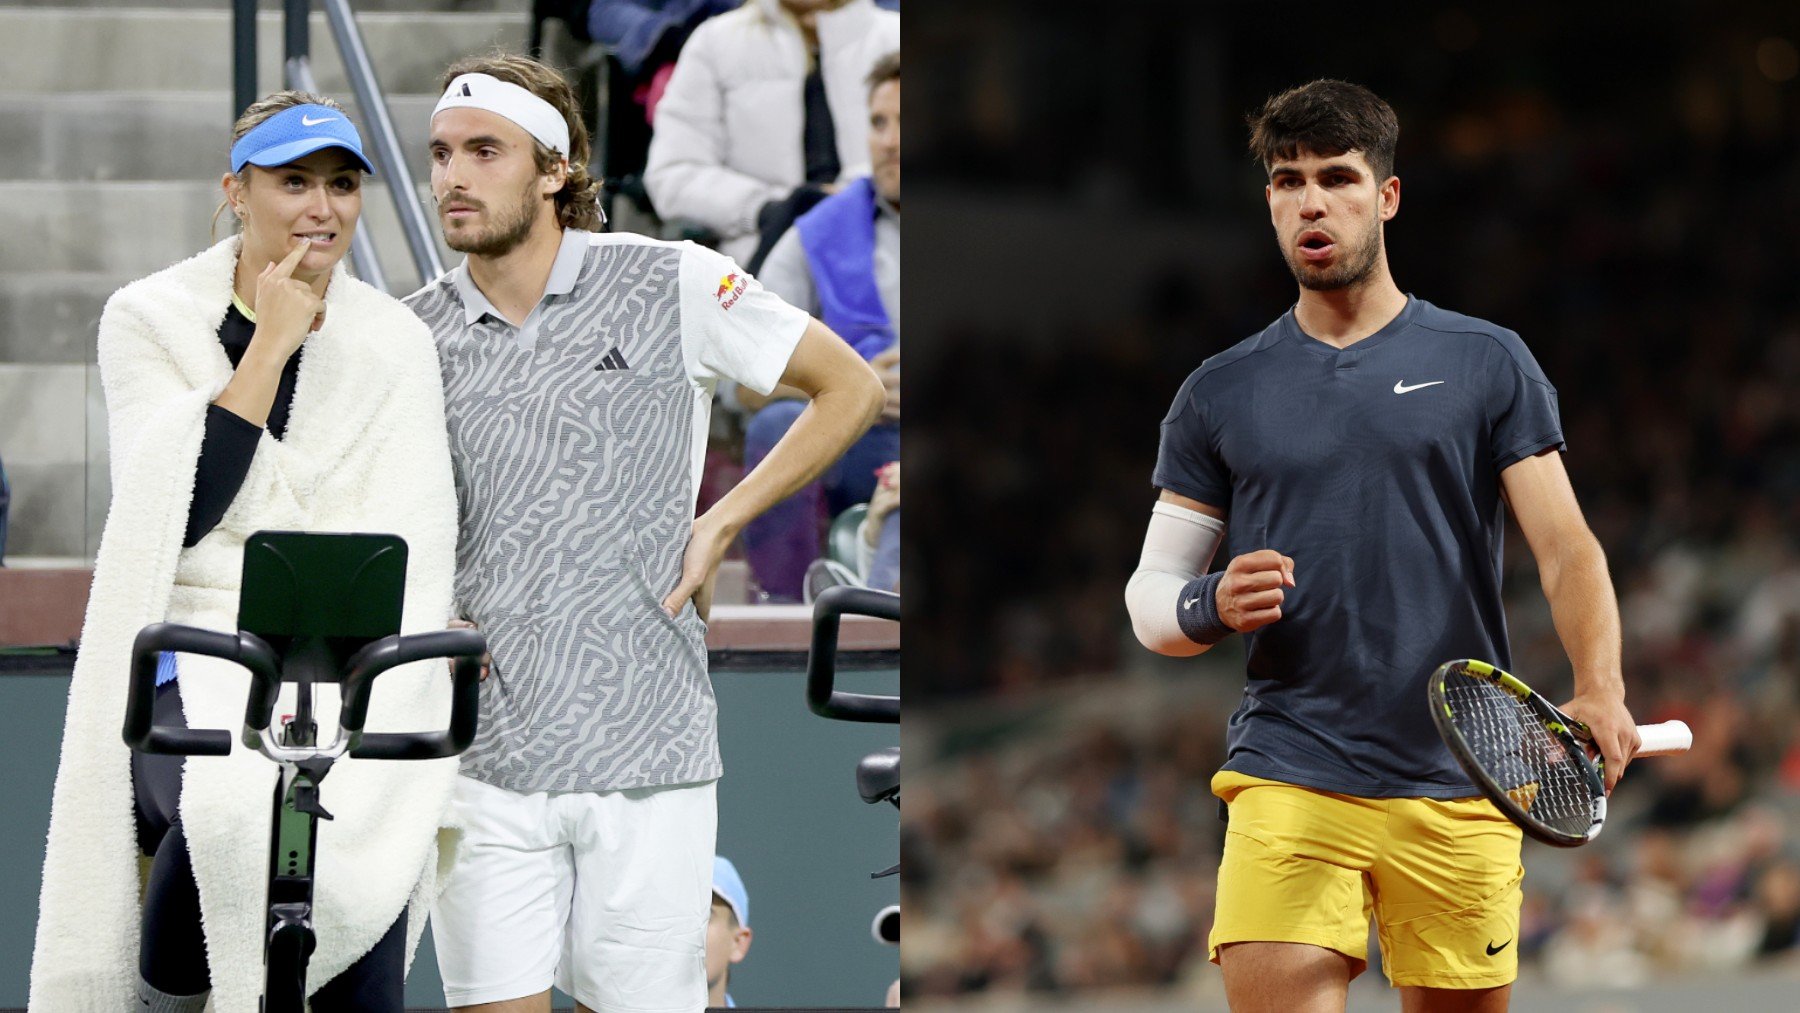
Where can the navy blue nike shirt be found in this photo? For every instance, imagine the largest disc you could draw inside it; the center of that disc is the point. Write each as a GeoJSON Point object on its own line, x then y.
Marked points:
{"type": "Point", "coordinates": [1377, 469]}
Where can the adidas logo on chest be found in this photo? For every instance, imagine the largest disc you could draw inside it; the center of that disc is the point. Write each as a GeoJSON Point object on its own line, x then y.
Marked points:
{"type": "Point", "coordinates": [612, 360]}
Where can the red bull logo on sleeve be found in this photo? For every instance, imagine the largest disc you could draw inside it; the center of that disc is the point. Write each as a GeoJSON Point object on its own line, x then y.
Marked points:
{"type": "Point", "coordinates": [731, 289]}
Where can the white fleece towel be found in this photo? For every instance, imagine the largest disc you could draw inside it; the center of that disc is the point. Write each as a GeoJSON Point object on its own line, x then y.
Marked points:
{"type": "Point", "coordinates": [365, 450]}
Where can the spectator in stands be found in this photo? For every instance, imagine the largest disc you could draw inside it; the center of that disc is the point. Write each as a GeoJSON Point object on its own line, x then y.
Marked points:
{"type": "Point", "coordinates": [841, 261]}
{"type": "Point", "coordinates": [765, 115]}
{"type": "Point", "coordinates": [727, 930]}
{"type": "Point", "coordinates": [212, 439]}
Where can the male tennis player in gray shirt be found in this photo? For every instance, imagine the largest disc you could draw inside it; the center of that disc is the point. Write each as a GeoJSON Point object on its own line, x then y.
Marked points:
{"type": "Point", "coordinates": [578, 377]}
{"type": "Point", "coordinates": [1355, 457]}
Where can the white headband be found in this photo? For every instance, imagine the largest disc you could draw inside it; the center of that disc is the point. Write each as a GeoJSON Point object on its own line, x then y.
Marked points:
{"type": "Point", "coordinates": [538, 118]}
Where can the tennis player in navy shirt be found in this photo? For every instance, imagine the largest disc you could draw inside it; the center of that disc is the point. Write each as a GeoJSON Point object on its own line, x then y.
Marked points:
{"type": "Point", "coordinates": [1355, 459]}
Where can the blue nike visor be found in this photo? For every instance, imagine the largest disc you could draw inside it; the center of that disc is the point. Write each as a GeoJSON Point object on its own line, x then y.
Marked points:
{"type": "Point", "coordinates": [293, 134]}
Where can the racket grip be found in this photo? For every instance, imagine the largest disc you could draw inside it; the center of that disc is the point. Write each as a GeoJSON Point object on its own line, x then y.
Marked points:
{"type": "Point", "coordinates": [1665, 738]}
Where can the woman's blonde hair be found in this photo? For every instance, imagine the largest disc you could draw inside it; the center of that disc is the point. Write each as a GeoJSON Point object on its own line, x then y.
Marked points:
{"type": "Point", "coordinates": [578, 202]}
{"type": "Point", "coordinates": [253, 117]}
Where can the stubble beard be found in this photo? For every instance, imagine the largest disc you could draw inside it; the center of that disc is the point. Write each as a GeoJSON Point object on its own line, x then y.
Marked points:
{"type": "Point", "coordinates": [1349, 271]}
{"type": "Point", "coordinates": [502, 237]}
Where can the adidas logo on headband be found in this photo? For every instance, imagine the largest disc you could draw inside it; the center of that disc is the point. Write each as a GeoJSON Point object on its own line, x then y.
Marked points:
{"type": "Point", "coordinates": [503, 98]}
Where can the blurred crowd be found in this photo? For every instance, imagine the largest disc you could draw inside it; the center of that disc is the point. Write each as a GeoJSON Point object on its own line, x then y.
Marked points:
{"type": "Point", "coordinates": [1632, 229]}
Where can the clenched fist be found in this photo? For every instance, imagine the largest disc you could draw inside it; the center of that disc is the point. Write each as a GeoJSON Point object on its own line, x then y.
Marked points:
{"type": "Point", "coordinates": [1250, 594]}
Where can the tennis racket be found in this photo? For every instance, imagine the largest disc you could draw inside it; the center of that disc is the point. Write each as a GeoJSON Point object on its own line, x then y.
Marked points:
{"type": "Point", "coordinates": [1527, 755]}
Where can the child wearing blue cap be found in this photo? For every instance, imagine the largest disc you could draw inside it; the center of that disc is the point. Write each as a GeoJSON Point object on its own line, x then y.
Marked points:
{"type": "Point", "coordinates": [218, 431]}
{"type": "Point", "coordinates": [727, 930]}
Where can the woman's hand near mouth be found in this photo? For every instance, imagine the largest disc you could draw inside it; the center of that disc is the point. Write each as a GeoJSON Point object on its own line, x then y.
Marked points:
{"type": "Point", "coordinates": [286, 307]}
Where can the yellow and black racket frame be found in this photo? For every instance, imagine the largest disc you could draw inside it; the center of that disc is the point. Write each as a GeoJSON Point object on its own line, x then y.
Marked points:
{"type": "Point", "coordinates": [1572, 734]}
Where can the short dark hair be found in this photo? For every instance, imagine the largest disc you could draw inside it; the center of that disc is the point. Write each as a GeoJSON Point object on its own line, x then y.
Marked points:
{"type": "Point", "coordinates": [1326, 117]}
{"type": "Point", "coordinates": [886, 69]}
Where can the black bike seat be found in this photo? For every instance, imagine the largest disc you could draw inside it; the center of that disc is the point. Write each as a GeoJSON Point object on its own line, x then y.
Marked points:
{"type": "Point", "coordinates": [878, 775]}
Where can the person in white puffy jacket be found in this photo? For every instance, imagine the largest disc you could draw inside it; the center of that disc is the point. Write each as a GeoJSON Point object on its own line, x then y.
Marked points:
{"type": "Point", "coordinates": [730, 149]}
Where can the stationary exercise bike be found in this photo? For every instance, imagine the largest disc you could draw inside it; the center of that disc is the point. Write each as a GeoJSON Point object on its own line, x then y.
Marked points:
{"type": "Point", "coordinates": [877, 774]}
{"type": "Point", "coordinates": [314, 608]}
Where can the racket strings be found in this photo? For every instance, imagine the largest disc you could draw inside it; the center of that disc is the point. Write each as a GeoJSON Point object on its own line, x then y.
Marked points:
{"type": "Point", "coordinates": [1529, 763]}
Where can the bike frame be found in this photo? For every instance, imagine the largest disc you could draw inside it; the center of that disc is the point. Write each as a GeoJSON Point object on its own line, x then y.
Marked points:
{"type": "Point", "coordinates": [333, 604]}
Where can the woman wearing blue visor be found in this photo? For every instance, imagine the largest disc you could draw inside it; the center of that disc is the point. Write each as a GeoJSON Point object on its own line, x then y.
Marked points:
{"type": "Point", "coordinates": [254, 386]}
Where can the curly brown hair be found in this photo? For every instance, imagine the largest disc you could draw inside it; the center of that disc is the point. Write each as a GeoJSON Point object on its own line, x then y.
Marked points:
{"type": "Point", "coordinates": [253, 117]}
{"type": "Point", "coordinates": [578, 202]}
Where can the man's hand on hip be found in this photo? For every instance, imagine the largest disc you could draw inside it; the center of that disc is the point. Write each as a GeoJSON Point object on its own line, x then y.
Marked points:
{"type": "Point", "coordinates": [700, 566]}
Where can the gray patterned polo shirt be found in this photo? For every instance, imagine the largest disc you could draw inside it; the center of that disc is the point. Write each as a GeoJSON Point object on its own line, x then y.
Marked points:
{"type": "Point", "coordinates": [577, 441]}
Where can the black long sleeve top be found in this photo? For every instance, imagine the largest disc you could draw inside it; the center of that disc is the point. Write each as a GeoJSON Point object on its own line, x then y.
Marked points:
{"type": "Point", "coordinates": [229, 443]}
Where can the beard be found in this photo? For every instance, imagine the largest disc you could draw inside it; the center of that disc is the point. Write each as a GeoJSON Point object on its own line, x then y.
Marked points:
{"type": "Point", "coordinates": [1352, 267]}
{"type": "Point", "coordinates": [503, 234]}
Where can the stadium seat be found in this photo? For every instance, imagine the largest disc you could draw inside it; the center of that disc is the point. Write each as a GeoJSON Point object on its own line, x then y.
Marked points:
{"type": "Point", "coordinates": [841, 541]}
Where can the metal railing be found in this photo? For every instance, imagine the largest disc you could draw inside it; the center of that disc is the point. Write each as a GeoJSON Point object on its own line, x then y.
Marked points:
{"type": "Point", "coordinates": [378, 127]}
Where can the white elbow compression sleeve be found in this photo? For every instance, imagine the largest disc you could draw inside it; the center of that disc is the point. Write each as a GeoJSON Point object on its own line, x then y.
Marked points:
{"type": "Point", "coordinates": [1178, 547]}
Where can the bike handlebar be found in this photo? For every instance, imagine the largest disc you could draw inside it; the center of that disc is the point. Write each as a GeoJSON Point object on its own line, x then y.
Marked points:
{"type": "Point", "coordinates": [466, 646]}
{"type": "Point", "coordinates": [821, 660]}
{"type": "Point", "coordinates": [249, 650]}
{"type": "Point", "coordinates": [141, 732]}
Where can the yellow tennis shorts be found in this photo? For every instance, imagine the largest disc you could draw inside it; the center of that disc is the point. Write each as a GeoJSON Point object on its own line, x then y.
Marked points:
{"type": "Point", "coordinates": [1441, 879]}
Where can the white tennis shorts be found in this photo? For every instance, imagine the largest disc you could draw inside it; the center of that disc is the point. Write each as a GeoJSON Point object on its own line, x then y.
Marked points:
{"type": "Point", "coordinates": [604, 894]}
